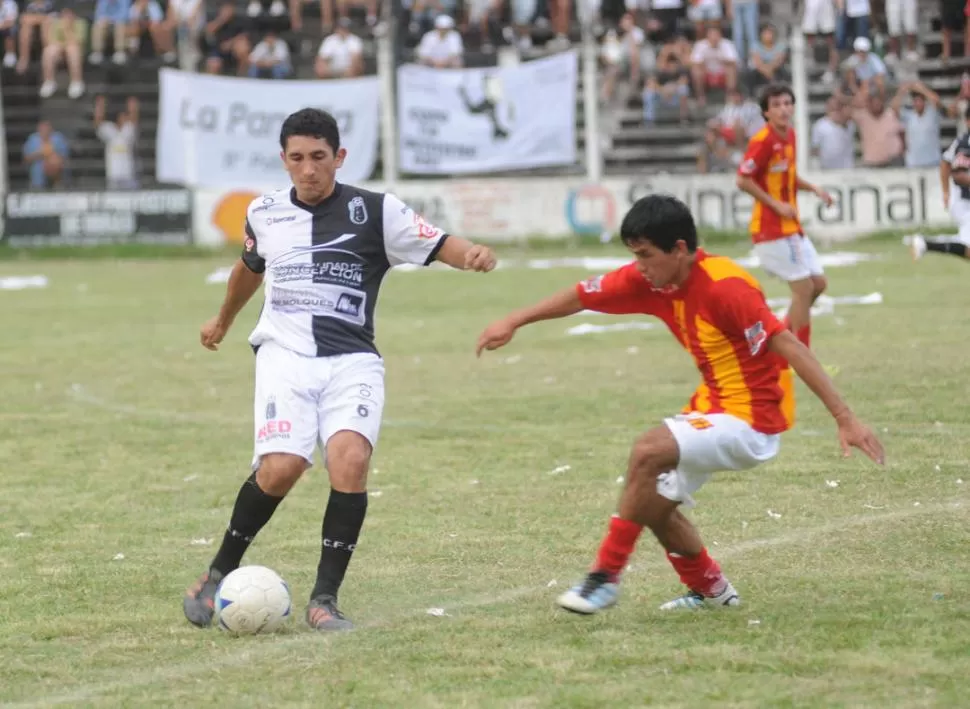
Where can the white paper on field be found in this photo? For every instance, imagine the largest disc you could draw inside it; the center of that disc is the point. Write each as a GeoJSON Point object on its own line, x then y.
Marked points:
{"type": "Point", "coordinates": [220, 275]}
{"type": "Point", "coordinates": [22, 282]}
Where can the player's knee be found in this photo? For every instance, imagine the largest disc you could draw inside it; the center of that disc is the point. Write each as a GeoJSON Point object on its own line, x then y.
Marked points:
{"type": "Point", "coordinates": [278, 473]}
{"type": "Point", "coordinates": [802, 290]}
{"type": "Point", "coordinates": [819, 284]}
{"type": "Point", "coordinates": [645, 460]}
{"type": "Point", "coordinates": [348, 459]}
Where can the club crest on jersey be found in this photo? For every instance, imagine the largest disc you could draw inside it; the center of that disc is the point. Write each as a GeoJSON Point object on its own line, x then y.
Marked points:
{"type": "Point", "coordinates": [756, 337]}
{"type": "Point", "coordinates": [250, 244]}
{"type": "Point", "coordinates": [748, 166]}
{"type": "Point", "coordinates": [357, 210]}
{"type": "Point", "coordinates": [593, 285]}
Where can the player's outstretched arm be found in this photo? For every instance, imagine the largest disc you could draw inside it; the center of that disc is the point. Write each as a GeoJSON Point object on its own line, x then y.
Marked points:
{"type": "Point", "coordinates": [243, 284]}
{"type": "Point", "coordinates": [500, 332]}
{"type": "Point", "coordinates": [465, 256]}
{"type": "Point", "coordinates": [852, 432]}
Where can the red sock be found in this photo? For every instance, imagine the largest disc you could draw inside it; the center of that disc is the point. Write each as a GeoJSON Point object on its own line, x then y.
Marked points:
{"type": "Point", "coordinates": [805, 335]}
{"type": "Point", "coordinates": [699, 573]}
{"type": "Point", "coordinates": [617, 546]}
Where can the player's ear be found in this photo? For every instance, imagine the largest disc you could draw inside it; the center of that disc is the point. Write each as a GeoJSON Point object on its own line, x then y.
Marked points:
{"type": "Point", "coordinates": [338, 159]}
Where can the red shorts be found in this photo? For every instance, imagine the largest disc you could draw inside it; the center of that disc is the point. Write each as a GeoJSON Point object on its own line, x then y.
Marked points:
{"type": "Point", "coordinates": [717, 81]}
{"type": "Point", "coordinates": [729, 134]}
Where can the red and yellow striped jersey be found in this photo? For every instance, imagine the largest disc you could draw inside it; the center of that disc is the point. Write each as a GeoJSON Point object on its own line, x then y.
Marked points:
{"type": "Point", "coordinates": [719, 315]}
{"type": "Point", "coordinates": [770, 162]}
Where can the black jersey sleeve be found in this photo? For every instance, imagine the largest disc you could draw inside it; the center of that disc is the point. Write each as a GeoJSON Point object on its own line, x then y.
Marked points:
{"type": "Point", "coordinates": [250, 254]}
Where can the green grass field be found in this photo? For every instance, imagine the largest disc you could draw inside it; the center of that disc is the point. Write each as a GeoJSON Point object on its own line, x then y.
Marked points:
{"type": "Point", "coordinates": [122, 436]}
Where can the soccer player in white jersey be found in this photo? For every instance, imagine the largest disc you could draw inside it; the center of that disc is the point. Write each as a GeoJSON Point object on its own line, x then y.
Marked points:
{"type": "Point", "coordinates": [321, 248]}
{"type": "Point", "coordinates": [954, 172]}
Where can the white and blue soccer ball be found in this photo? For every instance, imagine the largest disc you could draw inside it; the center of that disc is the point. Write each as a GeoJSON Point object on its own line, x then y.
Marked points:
{"type": "Point", "coordinates": [251, 600]}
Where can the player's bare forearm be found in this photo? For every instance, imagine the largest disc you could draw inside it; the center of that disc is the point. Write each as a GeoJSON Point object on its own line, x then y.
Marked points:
{"type": "Point", "coordinates": [808, 368]}
{"type": "Point", "coordinates": [746, 184]}
{"type": "Point", "coordinates": [560, 305]}
{"type": "Point", "coordinates": [945, 171]}
{"type": "Point", "coordinates": [465, 256]}
{"type": "Point", "coordinates": [501, 332]}
{"type": "Point", "coordinates": [243, 284]}
{"type": "Point", "coordinates": [804, 185]}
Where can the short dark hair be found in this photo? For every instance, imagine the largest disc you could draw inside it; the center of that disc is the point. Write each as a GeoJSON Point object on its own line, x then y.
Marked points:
{"type": "Point", "coordinates": [771, 91]}
{"type": "Point", "coordinates": [662, 220]}
{"type": "Point", "coordinates": [312, 123]}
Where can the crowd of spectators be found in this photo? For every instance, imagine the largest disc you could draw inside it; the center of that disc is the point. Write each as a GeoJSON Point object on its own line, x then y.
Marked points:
{"type": "Point", "coordinates": [697, 62]}
{"type": "Point", "coordinates": [703, 61]}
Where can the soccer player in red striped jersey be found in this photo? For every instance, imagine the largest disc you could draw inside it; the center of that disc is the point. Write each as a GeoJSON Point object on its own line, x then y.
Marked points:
{"type": "Point", "coordinates": [735, 419]}
{"type": "Point", "coordinates": [768, 174]}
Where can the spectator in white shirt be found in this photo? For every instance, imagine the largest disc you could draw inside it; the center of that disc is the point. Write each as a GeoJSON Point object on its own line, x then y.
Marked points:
{"type": "Point", "coordinates": [864, 71]}
{"type": "Point", "coordinates": [852, 22]}
{"type": "Point", "coordinates": [271, 56]}
{"type": "Point", "coordinates": [341, 54]}
{"type": "Point", "coordinates": [8, 30]}
{"type": "Point", "coordinates": [714, 64]}
{"type": "Point", "coordinates": [622, 56]}
{"type": "Point", "coordinates": [739, 120]}
{"type": "Point", "coordinates": [442, 47]}
{"type": "Point", "coordinates": [833, 137]}
{"type": "Point", "coordinates": [119, 140]}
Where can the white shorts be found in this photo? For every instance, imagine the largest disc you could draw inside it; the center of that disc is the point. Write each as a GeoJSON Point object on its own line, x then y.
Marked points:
{"type": "Point", "coordinates": [960, 211]}
{"type": "Point", "coordinates": [901, 17]}
{"type": "Point", "coordinates": [302, 401]}
{"type": "Point", "coordinates": [711, 443]}
{"type": "Point", "coordinates": [705, 12]}
{"type": "Point", "coordinates": [819, 17]}
{"type": "Point", "coordinates": [793, 258]}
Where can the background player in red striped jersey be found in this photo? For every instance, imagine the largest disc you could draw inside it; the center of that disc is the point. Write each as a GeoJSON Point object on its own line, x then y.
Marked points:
{"type": "Point", "coordinates": [734, 421]}
{"type": "Point", "coordinates": [768, 173]}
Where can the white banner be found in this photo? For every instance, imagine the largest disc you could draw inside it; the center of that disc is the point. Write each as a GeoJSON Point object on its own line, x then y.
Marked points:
{"type": "Point", "coordinates": [465, 121]}
{"type": "Point", "coordinates": [219, 132]}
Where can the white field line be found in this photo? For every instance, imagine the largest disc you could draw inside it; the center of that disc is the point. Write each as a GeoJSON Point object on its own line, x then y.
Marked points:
{"type": "Point", "coordinates": [261, 653]}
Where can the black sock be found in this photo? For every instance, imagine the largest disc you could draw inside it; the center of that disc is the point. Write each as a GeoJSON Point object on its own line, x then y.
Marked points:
{"type": "Point", "coordinates": [947, 247]}
{"type": "Point", "coordinates": [341, 528]}
{"type": "Point", "coordinates": [250, 514]}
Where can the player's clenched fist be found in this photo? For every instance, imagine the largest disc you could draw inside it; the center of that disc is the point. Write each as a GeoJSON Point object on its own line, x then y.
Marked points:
{"type": "Point", "coordinates": [213, 333]}
{"type": "Point", "coordinates": [496, 335]}
{"type": "Point", "coordinates": [479, 258]}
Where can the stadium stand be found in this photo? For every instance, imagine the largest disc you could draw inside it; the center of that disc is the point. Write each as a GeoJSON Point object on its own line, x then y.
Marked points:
{"type": "Point", "coordinates": [631, 145]}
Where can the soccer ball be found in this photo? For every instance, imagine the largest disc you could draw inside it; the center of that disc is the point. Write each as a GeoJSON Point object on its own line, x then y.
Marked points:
{"type": "Point", "coordinates": [250, 600]}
